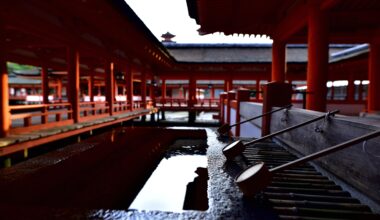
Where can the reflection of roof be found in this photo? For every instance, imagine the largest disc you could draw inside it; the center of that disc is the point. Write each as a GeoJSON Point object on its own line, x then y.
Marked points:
{"type": "Point", "coordinates": [239, 53]}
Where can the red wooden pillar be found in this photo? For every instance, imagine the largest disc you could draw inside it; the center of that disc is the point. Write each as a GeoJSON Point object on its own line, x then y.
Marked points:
{"type": "Point", "coordinates": [278, 61]}
{"type": "Point", "coordinates": [45, 92]}
{"type": "Point", "coordinates": [351, 89]}
{"type": "Point", "coordinates": [143, 89]}
{"type": "Point", "coordinates": [192, 99]}
{"type": "Point", "coordinates": [241, 96]}
{"type": "Point", "coordinates": [91, 87]}
{"type": "Point", "coordinates": [110, 83]}
{"type": "Point", "coordinates": [222, 96]}
{"type": "Point", "coordinates": [257, 95]}
{"type": "Point", "coordinates": [129, 87]}
{"type": "Point", "coordinates": [212, 93]}
{"type": "Point", "coordinates": [373, 99]}
{"type": "Point", "coordinates": [231, 95]}
{"type": "Point", "coordinates": [151, 92]}
{"type": "Point", "coordinates": [317, 68]}
{"type": "Point", "coordinates": [73, 82]}
{"type": "Point", "coordinates": [4, 92]}
{"type": "Point", "coordinates": [163, 91]}
{"type": "Point", "coordinates": [228, 84]}
{"type": "Point", "coordinates": [59, 89]}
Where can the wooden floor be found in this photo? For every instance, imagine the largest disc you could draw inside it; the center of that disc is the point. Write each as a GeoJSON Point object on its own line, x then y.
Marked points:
{"type": "Point", "coordinates": [22, 141]}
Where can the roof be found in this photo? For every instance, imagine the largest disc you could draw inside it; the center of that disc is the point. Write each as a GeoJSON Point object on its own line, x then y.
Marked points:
{"type": "Point", "coordinates": [240, 53]}
{"type": "Point", "coordinates": [350, 21]}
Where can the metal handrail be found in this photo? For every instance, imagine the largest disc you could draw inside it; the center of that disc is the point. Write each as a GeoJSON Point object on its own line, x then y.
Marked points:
{"type": "Point", "coordinates": [226, 127]}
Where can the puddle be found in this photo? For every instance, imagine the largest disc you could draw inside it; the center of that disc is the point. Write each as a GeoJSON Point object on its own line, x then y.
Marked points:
{"type": "Point", "coordinates": [166, 188]}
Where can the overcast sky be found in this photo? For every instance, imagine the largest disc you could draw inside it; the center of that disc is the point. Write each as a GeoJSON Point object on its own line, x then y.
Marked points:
{"type": "Point", "coordinates": [162, 16]}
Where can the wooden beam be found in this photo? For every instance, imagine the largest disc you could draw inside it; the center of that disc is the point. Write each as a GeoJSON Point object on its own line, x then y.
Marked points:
{"type": "Point", "coordinates": [294, 21]}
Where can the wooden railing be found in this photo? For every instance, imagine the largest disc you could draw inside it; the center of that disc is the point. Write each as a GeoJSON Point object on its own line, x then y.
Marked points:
{"type": "Point", "coordinates": [39, 114]}
{"type": "Point", "coordinates": [87, 109]}
{"type": "Point", "coordinates": [177, 103]}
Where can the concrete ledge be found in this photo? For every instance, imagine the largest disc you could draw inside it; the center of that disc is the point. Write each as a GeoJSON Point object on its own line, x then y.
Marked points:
{"type": "Point", "coordinates": [357, 165]}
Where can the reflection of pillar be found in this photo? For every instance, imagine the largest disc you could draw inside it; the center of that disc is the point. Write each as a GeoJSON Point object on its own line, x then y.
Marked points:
{"type": "Point", "coordinates": [73, 82]}
{"type": "Point", "coordinates": [110, 83]}
{"type": "Point", "coordinates": [129, 87]}
{"type": "Point", "coordinates": [4, 90]}
{"type": "Point", "coordinates": [374, 78]}
{"type": "Point", "coordinates": [278, 61]}
{"type": "Point", "coordinates": [317, 59]}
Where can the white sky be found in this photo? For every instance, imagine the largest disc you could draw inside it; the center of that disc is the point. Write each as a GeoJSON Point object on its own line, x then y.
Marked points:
{"type": "Point", "coordinates": [161, 16]}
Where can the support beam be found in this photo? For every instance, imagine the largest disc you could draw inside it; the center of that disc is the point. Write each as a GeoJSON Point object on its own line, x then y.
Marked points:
{"type": "Point", "coordinates": [374, 78]}
{"type": "Point", "coordinates": [278, 61]}
{"type": "Point", "coordinates": [294, 21]}
{"type": "Point", "coordinates": [110, 85]}
{"type": "Point", "coordinates": [317, 68]}
{"type": "Point", "coordinates": [73, 81]}
{"type": "Point", "coordinates": [228, 84]}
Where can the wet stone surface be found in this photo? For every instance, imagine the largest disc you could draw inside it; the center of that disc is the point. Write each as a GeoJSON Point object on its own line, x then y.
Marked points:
{"type": "Point", "coordinates": [225, 199]}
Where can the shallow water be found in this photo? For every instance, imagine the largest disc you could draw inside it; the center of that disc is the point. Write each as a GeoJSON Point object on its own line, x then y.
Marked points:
{"type": "Point", "coordinates": [166, 188]}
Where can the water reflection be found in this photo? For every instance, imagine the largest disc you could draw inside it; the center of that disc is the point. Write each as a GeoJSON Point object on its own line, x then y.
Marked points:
{"type": "Point", "coordinates": [166, 188]}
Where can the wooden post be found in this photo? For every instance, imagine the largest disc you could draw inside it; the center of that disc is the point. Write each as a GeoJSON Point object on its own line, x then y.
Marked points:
{"type": "Point", "coordinates": [4, 90]}
{"type": "Point", "coordinates": [163, 91]}
{"type": "Point", "coordinates": [222, 97]}
{"type": "Point", "coordinates": [143, 93]}
{"type": "Point", "coordinates": [231, 95]}
{"type": "Point", "coordinates": [373, 99]}
{"type": "Point", "coordinates": [192, 100]}
{"type": "Point", "coordinates": [45, 93]}
{"type": "Point", "coordinates": [73, 82]}
{"type": "Point", "coordinates": [241, 96]}
{"type": "Point", "coordinates": [110, 83]}
{"type": "Point", "coordinates": [129, 86]}
{"type": "Point", "coordinates": [278, 61]}
{"type": "Point", "coordinates": [228, 84]}
{"type": "Point", "coordinates": [351, 89]}
{"type": "Point", "coordinates": [317, 67]}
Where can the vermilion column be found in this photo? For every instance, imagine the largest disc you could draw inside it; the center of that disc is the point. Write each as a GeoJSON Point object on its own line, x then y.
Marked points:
{"type": "Point", "coordinates": [163, 91]}
{"type": "Point", "coordinates": [374, 78]}
{"type": "Point", "coordinates": [278, 61]}
{"type": "Point", "coordinates": [192, 100]}
{"type": "Point", "coordinates": [151, 92]}
{"type": "Point", "coordinates": [45, 85]}
{"type": "Point", "coordinates": [227, 84]}
{"type": "Point", "coordinates": [110, 83]}
{"type": "Point", "coordinates": [45, 92]}
{"type": "Point", "coordinates": [73, 81]}
{"type": "Point", "coordinates": [143, 89]}
{"type": "Point", "coordinates": [4, 96]}
{"type": "Point", "coordinates": [129, 87]}
{"type": "Point", "coordinates": [317, 59]}
{"type": "Point", "coordinates": [91, 87]}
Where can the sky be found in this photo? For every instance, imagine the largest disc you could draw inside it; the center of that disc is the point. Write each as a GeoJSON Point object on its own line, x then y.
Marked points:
{"type": "Point", "coordinates": [162, 16]}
